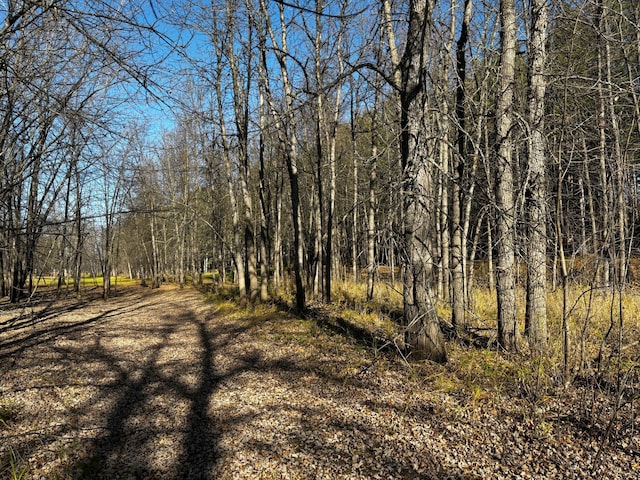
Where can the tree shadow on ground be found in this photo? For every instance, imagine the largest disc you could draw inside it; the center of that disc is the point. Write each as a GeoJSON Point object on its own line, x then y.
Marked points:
{"type": "Point", "coordinates": [366, 338]}
{"type": "Point", "coordinates": [39, 333]}
{"type": "Point", "coordinates": [378, 342]}
{"type": "Point", "coordinates": [36, 311]}
{"type": "Point", "coordinates": [145, 398]}
{"type": "Point", "coordinates": [133, 427]}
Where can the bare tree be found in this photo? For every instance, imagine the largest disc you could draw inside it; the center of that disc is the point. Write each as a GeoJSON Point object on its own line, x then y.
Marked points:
{"type": "Point", "coordinates": [423, 334]}
{"type": "Point", "coordinates": [536, 195]}
{"type": "Point", "coordinates": [505, 204]}
{"type": "Point", "coordinates": [50, 119]}
{"type": "Point", "coordinates": [458, 236]}
{"type": "Point", "coordinates": [241, 92]}
{"type": "Point", "coordinates": [284, 120]}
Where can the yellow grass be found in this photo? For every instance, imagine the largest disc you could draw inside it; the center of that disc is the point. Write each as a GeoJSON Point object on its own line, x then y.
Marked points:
{"type": "Point", "coordinates": [85, 281]}
{"type": "Point", "coordinates": [476, 371]}
{"type": "Point", "coordinates": [594, 319]}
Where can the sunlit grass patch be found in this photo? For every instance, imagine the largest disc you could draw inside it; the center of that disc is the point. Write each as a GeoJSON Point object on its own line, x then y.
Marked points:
{"type": "Point", "coordinates": [86, 281]}
{"type": "Point", "coordinates": [386, 297]}
{"type": "Point", "coordinates": [124, 281]}
{"type": "Point", "coordinates": [379, 325]}
{"type": "Point", "coordinates": [601, 321]}
{"type": "Point", "coordinates": [478, 375]}
{"type": "Point", "coordinates": [225, 292]}
{"type": "Point", "coordinates": [226, 301]}
{"type": "Point", "coordinates": [484, 307]}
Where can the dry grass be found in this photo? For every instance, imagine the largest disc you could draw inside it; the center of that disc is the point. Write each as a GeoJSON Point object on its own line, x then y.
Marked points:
{"type": "Point", "coordinates": [47, 282]}
{"type": "Point", "coordinates": [604, 328]}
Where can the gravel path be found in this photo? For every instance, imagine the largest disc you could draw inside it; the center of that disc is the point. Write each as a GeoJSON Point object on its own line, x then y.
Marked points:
{"type": "Point", "coordinates": [160, 384]}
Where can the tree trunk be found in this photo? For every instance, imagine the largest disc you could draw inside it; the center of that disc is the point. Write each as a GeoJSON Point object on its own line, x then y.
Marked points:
{"type": "Point", "coordinates": [457, 238]}
{"type": "Point", "coordinates": [505, 245]}
{"type": "Point", "coordinates": [618, 161]}
{"type": "Point", "coordinates": [423, 335]}
{"type": "Point", "coordinates": [442, 226]}
{"type": "Point", "coordinates": [63, 240]}
{"type": "Point", "coordinates": [241, 119]}
{"type": "Point", "coordinates": [536, 206]}
{"type": "Point", "coordinates": [264, 230]}
{"type": "Point", "coordinates": [156, 274]}
{"type": "Point", "coordinates": [355, 155]}
{"type": "Point", "coordinates": [606, 189]}
{"type": "Point", "coordinates": [372, 204]}
{"type": "Point", "coordinates": [329, 256]}
{"type": "Point", "coordinates": [77, 264]}
{"type": "Point", "coordinates": [277, 241]}
{"type": "Point", "coordinates": [284, 124]}
{"type": "Point", "coordinates": [238, 261]}
{"type": "Point", "coordinates": [592, 209]}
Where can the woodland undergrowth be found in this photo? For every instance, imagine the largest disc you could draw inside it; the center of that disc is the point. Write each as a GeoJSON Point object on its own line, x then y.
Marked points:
{"type": "Point", "coordinates": [602, 393]}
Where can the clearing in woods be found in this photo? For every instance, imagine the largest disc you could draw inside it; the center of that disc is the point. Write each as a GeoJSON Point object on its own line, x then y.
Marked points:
{"type": "Point", "coordinates": [165, 384]}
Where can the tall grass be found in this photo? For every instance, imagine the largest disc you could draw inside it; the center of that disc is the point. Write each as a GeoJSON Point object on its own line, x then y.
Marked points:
{"type": "Point", "coordinates": [598, 344]}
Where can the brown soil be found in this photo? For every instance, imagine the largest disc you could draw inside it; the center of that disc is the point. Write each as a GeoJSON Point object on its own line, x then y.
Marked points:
{"type": "Point", "coordinates": [159, 384]}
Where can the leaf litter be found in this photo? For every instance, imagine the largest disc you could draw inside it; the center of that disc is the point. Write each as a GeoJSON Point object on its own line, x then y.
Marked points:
{"type": "Point", "coordinates": [160, 384]}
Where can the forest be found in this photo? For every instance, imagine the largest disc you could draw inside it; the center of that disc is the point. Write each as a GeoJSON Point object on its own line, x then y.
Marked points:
{"type": "Point", "coordinates": [451, 184]}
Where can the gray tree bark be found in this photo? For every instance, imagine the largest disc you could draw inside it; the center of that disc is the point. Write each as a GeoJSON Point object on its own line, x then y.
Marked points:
{"type": "Point", "coordinates": [422, 328]}
{"type": "Point", "coordinates": [506, 211]}
{"type": "Point", "coordinates": [284, 124]}
{"type": "Point", "coordinates": [458, 229]}
{"type": "Point", "coordinates": [536, 201]}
